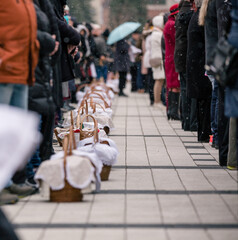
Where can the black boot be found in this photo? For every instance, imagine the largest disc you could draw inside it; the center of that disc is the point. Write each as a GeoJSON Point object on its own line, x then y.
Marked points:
{"type": "Point", "coordinates": [169, 105]}
{"type": "Point", "coordinates": [174, 115]}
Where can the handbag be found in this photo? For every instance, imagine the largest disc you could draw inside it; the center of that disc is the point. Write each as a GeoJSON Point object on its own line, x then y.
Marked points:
{"type": "Point", "coordinates": [155, 62]}
{"type": "Point", "coordinates": [223, 63]}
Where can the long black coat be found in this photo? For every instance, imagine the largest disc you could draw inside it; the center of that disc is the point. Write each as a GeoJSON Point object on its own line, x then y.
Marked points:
{"type": "Point", "coordinates": [122, 59]}
{"type": "Point", "coordinates": [181, 26]}
{"type": "Point", "coordinates": [211, 30]}
{"type": "Point", "coordinates": [198, 85]}
{"type": "Point", "coordinates": [40, 96]}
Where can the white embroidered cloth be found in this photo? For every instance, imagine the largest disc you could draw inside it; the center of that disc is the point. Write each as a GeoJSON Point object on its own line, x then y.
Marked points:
{"type": "Point", "coordinates": [80, 171]}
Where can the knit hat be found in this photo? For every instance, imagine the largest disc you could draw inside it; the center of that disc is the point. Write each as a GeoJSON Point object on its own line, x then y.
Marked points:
{"type": "Point", "coordinates": [158, 22]}
{"type": "Point", "coordinates": [174, 9]}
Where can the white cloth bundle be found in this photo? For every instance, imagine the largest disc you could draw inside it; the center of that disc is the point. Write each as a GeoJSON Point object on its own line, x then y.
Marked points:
{"type": "Point", "coordinates": [105, 153]}
{"type": "Point", "coordinates": [81, 169]}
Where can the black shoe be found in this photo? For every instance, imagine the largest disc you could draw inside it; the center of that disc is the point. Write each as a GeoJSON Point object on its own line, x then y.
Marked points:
{"type": "Point", "coordinates": [32, 183]}
{"type": "Point", "coordinates": [122, 94]}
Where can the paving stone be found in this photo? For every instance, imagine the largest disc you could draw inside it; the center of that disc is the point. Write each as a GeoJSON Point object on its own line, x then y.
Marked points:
{"type": "Point", "coordinates": [29, 234]}
{"type": "Point", "coordinates": [212, 209]}
{"type": "Point", "coordinates": [139, 179]}
{"type": "Point", "coordinates": [221, 234]}
{"type": "Point", "coordinates": [142, 209]}
{"type": "Point", "coordinates": [194, 179]}
{"type": "Point", "coordinates": [167, 180]}
{"type": "Point", "coordinates": [137, 158]}
{"type": "Point", "coordinates": [220, 179]}
{"type": "Point", "coordinates": [62, 234]}
{"type": "Point", "coordinates": [177, 209]}
{"type": "Point", "coordinates": [108, 209]}
{"type": "Point", "coordinates": [102, 234]}
{"type": "Point", "coordinates": [142, 234]}
{"type": "Point", "coordinates": [182, 234]}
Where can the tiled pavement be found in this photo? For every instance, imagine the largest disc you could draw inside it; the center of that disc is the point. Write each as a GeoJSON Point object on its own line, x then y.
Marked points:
{"type": "Point", "coordinates": [165, 186]}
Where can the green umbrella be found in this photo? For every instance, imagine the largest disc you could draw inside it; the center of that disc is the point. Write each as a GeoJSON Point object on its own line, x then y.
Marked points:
{"type": "Point", "coordinates": [122, 31]}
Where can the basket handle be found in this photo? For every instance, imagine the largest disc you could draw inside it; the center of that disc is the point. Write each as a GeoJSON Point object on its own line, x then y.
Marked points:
{"type": "Point", "coordinates": [79, 115]}
{"type": "Point", "coordinates": [72, 118]}
{"type": "Point", "coordinates": [94, 107]}
{"type": "Point", "coordinates": [95, 126]}
{"type": "Point", "coordinates": [100, 96]}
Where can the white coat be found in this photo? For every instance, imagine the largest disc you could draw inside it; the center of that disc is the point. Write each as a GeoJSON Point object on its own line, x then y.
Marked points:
{"type": "Point", "coordinates": [156, 52]}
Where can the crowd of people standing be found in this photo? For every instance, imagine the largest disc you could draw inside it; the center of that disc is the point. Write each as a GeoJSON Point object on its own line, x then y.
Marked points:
{"type": "Point", "coordinates": [47, 55]}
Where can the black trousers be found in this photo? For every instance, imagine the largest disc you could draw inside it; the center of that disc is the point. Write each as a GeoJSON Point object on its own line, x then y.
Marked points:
{"type": "Point", "coordinates": [133, 72]}
{"type": "Point", "coordinates": [204, 119]}
{"type": "Point", "coordinates": [223, 128]}
{"type": "Point", "coordinates": [151, 83]}
{"type": "Point", "coordinates": [122, 80]}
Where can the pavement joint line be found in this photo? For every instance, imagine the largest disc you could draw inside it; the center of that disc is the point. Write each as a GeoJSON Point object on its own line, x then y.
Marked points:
{"type": "Point", "coordinates": [169, 167]}
{"type": "Point", "coordinates": [205, 160]}
{"type": "Point", "coordinates": [195, 147]}
{"type": "Point", "coordinates": [170, 192]}
{"type": "Point", "coordinates": [200, 154]}
{"type": "Point", "coordinates": [126, 226]}
{"type": "Point", "coordinates": [141, 135]}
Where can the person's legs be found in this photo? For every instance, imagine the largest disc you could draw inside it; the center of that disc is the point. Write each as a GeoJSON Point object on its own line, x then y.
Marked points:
{"type": "Point", "coordinates": [99, 72]}
{"type": "Point", "coordinates": [20, 96]}
{"type": "Point", "coordinates": [232, 151]}
{"type": "Point", "coordinates": [157, 90]}
{"type": "Point", "coordinates": [204, 122]}
{"type": "Point", "coordinates": [139, 82]}
{"type": "Point", "coordinates": [223, 129]}
{"type": "Point", "coordinates": [105, 72]}
{"type": "Point", "coordinates": [151, 85]}
{"type": "Point", "coordinates": [122, 82]}
{"type": "Point", "coordinates": [185, 103]}
{"type": "Point", "coordinates": [133, 72]}
{"type": "Point", "coordinates": [6, 91]}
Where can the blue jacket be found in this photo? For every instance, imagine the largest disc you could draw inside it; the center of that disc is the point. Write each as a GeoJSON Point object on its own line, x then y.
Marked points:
{"type": "Point", "coordinates": [231, 99]}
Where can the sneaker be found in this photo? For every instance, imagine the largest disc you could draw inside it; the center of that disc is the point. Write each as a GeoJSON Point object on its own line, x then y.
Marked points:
{"type": "Point", "coordinates": [7, 198]}
{"type": "Point", "coordinates": [32, 183]}
{"type": "Point", "coordinates": [21, 190]}
{"type": "Point", "coordinates": [211, 140]}
{"type": "Point", "coordinates": [232, 168]}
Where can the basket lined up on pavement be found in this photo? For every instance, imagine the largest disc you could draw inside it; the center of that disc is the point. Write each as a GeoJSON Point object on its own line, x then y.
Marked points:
{"type": "Point", "coordinates": [88, 153]}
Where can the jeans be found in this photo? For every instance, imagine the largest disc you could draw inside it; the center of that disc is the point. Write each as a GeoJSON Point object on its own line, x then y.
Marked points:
{"type": "Point", "coordinates": [214, 109]}
{"type": "Point", "coordinates": [14, 95]}
{"type": "Point", "coordinates": [139, 81]}
{"type": "Point", "coordinates": [101, 72]}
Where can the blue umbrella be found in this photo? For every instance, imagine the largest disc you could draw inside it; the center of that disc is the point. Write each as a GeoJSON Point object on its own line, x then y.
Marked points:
{"type": "Point", "coordinates": [122, 31]}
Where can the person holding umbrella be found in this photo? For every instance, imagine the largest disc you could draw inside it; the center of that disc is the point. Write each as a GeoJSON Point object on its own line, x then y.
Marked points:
{"type": "Point", "coordinates": [122, 59]}
{"type": "Point", "coordinates": [122, 64]}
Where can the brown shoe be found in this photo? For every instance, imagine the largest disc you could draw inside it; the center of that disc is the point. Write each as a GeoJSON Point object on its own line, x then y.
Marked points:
{"type": "Point", "coordinates": [7, 198]}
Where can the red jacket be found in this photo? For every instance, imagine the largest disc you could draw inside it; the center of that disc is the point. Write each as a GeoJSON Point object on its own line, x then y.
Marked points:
{"type": "Point", "coordinates": [18, 41]}
{"type": "Point", "coordinates": [169, 36]}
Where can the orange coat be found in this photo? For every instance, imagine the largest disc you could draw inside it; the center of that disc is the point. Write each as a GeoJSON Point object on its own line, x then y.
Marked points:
{"type": "Point", "coordinates": [18, 41]}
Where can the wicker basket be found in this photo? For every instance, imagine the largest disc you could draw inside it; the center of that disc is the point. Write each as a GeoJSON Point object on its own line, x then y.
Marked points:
{"type": "Point", "coordinates": [68, 193]}
{"type": "Point", "coordinates": [105, 172]}
{"type": "Point", "coordinates": [106, 169]}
